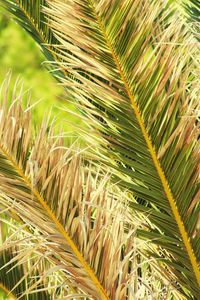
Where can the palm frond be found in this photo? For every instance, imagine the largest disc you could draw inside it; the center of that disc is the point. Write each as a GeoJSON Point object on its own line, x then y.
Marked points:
{"type": "Point", "coordinates": [46, 159]}
{"type": "Point", "coordinates": [132, 54]}
{"type": "Point", "coordinates": [192, 8]}
{"type": "Point", "coordinates": [80, 221]}
{"type": "Point", "coordinates": [14, 281]}
{"type": "Point", "coordinates": [190, 11]}
{"type": "Point", "coordinates": [42, 272]}
{"type": "Point", "coordinates": [138, 83]}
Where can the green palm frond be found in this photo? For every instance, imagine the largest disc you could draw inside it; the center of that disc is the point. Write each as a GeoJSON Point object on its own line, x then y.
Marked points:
{"type": "Point", "coordinates": [190, 12]}
{"type": "Point", "coordinates": [14, 281]}
{"type": "Point", "coordinates": [29, 14]}
{"type": "Point", "coordinates": [192, 7]}
{"type": "Point", "coordinates": [137, 81]}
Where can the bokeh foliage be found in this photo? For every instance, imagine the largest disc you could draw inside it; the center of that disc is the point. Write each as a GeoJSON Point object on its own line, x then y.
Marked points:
{"type": "Point", "coordinates": [20, 54]}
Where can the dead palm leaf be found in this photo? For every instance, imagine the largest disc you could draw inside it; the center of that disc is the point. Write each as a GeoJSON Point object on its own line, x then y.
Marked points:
{"type": "Point", "coordinates": [80, 221]}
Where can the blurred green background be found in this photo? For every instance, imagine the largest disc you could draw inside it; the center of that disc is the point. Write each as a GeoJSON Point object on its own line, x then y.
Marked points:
{"type": "Point", "coordinates": [20, 54]}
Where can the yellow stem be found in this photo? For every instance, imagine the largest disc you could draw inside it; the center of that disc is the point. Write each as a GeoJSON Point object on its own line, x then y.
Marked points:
{"type": "Point", "coordinates": [7, 292]}
{"type": "Point", "coordinates": [152, 151]}
{"type": "Point", "coordinates": [59, 226]}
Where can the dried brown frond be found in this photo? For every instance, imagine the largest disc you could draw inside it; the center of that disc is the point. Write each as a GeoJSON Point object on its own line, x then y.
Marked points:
{"type": "Point", "coordinates": [79, 219]}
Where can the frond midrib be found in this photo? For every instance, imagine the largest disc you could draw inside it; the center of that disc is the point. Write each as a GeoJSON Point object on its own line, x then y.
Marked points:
{"type": "Point", "coordinates": [58, 225]}
{"type": "Point", "coordinates": [156, 162]}
{"type": "Point", "coordinates": [7, 291]}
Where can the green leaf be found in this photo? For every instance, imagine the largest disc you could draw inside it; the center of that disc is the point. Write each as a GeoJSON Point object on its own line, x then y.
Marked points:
{"type": "Point", "coordinates": [14, 281]}
{"type": "Point", "coordinates": [193, 10]}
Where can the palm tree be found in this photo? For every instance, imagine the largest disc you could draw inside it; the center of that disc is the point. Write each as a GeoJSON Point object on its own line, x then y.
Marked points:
{"type": "Point", "coordinates": [132, 67]}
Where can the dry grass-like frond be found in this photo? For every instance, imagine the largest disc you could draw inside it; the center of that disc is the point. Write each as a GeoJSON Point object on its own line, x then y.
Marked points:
{"type": "Point", "coordinates": [80, 219]}
{"type": "Point", "coordinates": [45, 185]}
{"type": "Point", "coordinates": [67, 216]}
